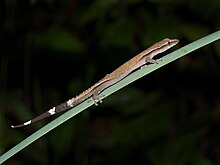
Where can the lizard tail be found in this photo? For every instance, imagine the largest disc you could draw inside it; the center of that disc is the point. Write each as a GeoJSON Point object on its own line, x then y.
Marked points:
{"type": "Point", "coordinates": [52, 111]}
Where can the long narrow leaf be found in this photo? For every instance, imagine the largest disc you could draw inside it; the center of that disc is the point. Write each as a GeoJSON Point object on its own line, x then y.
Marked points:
{"type": "Point", "coordinates": [129, 79]}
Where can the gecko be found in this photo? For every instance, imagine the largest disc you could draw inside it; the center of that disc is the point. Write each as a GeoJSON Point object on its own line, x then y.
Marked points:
{"type": "Point", "coordinates": [121, 72]}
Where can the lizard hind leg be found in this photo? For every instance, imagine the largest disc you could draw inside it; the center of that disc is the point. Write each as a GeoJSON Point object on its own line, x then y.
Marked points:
{"type": "Point", "coordinates": [96, 97]}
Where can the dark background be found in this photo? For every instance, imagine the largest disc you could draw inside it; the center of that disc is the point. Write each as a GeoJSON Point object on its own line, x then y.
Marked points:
{"type": "Point", "coordinates": [52, 50]}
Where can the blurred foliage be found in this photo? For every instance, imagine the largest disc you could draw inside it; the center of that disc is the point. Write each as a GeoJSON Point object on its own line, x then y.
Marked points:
{"type": "Point", "coordinates": [52, 50]}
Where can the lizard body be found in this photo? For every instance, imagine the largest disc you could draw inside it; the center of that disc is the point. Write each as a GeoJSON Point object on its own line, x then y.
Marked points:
{"type": "Point", "coordinates": [94, 91]}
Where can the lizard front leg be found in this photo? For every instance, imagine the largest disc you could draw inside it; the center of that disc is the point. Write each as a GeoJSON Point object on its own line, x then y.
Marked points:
{"type": "Point", "coordinates": [148, 59]}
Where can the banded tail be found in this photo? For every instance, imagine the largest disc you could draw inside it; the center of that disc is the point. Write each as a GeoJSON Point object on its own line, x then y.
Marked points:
{"type": "Point", "coordinates": [59, 108]}
{"type": "Point", "coordinates": [62, 107]}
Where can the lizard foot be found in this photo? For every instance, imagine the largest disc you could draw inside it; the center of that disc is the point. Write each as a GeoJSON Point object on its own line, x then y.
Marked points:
{"type": "Point", "coordinates": [158, 60]}
{"type": "Point", "coordinates": [152, 61]}
{"type": "Point", "coordinates": [97, 98]}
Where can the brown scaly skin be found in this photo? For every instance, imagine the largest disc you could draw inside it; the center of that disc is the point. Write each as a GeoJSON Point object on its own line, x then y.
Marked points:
{"type": "Point", "coordinates": [138, 61]}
